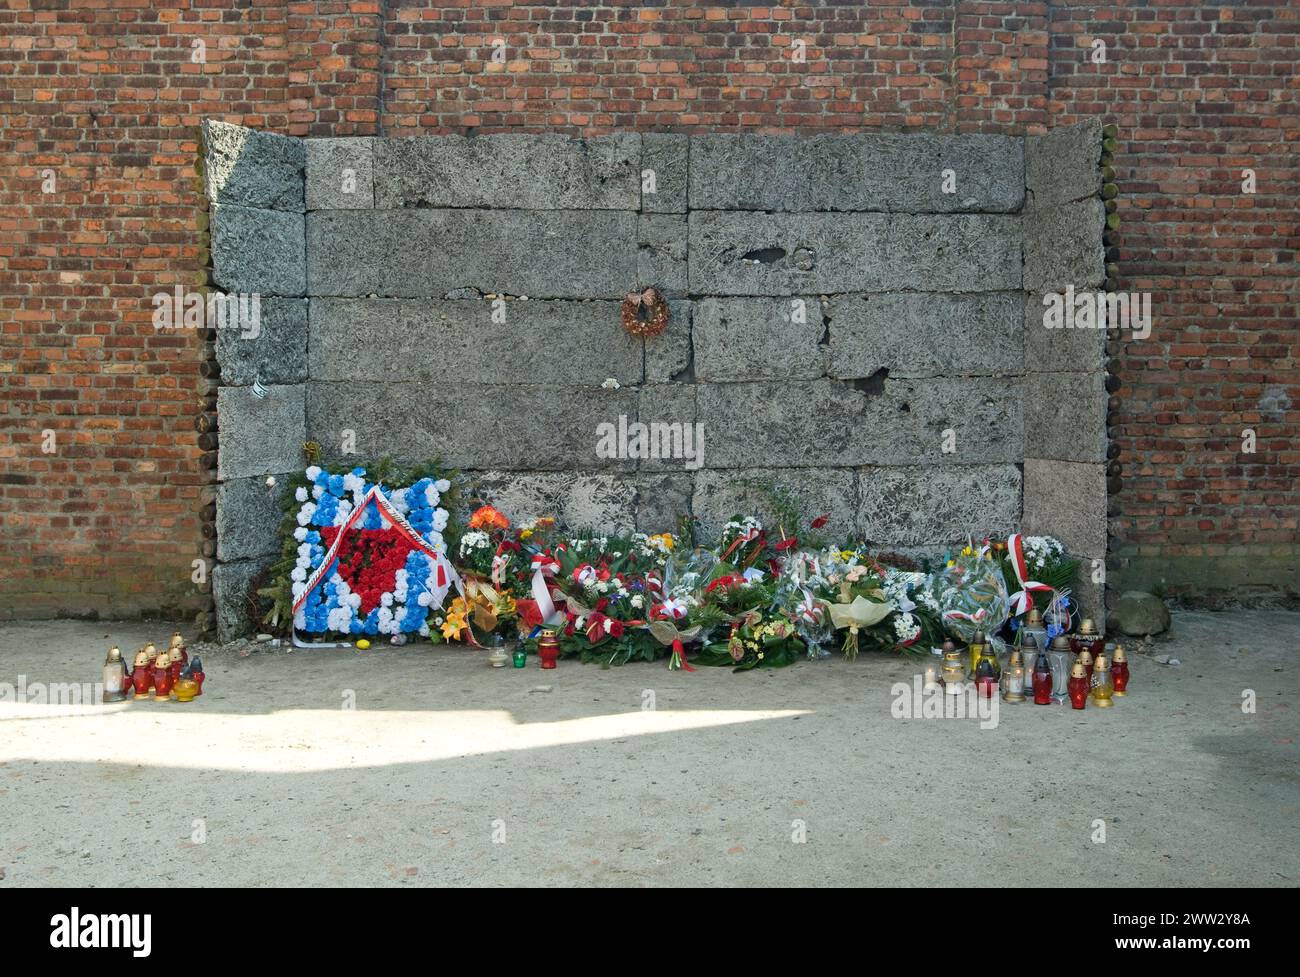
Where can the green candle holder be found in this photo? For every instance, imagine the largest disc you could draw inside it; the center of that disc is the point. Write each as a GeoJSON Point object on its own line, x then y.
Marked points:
{"type": "Point", "coordinates": [520, 656]}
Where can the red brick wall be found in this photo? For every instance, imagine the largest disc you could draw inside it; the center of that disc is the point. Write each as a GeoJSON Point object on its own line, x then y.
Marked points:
{"type": "Point", "coordinates": [104, 93]}
{"type": "Point", "coordinates": [1200, 92]}
{"type": "Point", "coordinates": [106, 96]}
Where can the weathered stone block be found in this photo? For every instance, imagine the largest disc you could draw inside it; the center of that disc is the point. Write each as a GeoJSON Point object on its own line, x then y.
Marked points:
{"type": "Point", "coordinates": [794, 254]}
{"type": "Point", "coordinates": [674, 439]}
{"type": "Point", "coordinates": [252, 169]}
{"type": "Point", "coordinates": [340, 174]}
{"type": "Point", "coordinates": [1051, 350]}
{"type": "Point", "coordinates": [259, 436]}
{"type": "Point", "coordinates": [234, 588]}
{"type": "Point", "coordinates": [668, 355]}
{"type": "Point", "coordinates": [532, 172]}
{"type": "Point", "coordinates": [804, 424]}
{"type": "Point", "coordinates": [257, 251]}
{"type": "Point", "coordinates": [721, 495]}
{"type": "Point", "coordinates": [1063, 246]}
{"type": "Point", "coordinates": [662, 499]}
{"type": "Point", "coordinates": [1066, 500]}
{"type": "Point", "coordinates": [273, 349]}
{"type": "Point", "coordinates": [935, 505]}
{"type": "Point", "coordinates": [827, 423]}
{"type": "Point", "coordinates": [1065, 416]}
{"type": "Point", "coordinates": [866, 171]}
{"type": "Point", "coordinates": [1088, 591]}
{"type": "Point", "coordinates": [759, 339]}
{"type": "Point", "coordinates": [248, 519]}
{"type": "Point", "coordinates": [471, 426]}
{"type": "Point", "coordinates": [601, 502]}
{"type": "Point", "coordinates": [661, 258]}
{"type": "Point", "coordinates": [411, 253]}
{"type": "Point", "coordinates": [458, 341]}
{"type": "Point", "coordinates": [919, 334]}
{"type": "Point", "coordinates": [1064, 164]}
{"type": "Point", "coordinates": [665, 156]}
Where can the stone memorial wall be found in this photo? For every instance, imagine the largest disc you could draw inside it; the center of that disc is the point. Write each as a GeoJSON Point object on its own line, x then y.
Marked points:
{"type": "Point", "coordinates": [856, 318]}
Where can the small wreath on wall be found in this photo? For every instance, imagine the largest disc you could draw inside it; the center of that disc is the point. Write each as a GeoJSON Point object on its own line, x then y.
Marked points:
{"type": "Point", "coordinates": [645, 313]}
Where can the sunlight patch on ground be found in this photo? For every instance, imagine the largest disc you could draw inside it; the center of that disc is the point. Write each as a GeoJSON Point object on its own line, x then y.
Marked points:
{"type": "Point", "coordinates": [305, 741]}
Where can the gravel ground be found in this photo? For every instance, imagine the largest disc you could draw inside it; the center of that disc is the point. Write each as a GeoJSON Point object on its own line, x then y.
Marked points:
{"type": "Point", "coordinates": [424, 766]}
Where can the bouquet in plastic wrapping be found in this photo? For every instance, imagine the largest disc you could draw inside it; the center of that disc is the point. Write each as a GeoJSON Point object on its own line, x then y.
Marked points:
{"type": "Point", "coordinates": [801, 593]}
{"type": "Point", "coordinates": [971, 593]}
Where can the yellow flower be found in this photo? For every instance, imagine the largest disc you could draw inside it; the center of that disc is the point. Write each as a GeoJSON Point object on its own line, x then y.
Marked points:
{"type": "Point", "coordinates": [952, 563]}
{"type": "Point", "coordinates": [452, 627]}
{"type": "Point", "coordinates": [664, 540]}
{"type": "Point", "coordinates": [846, 555]}
{"type": "Point", "coordinates": [525, 533]}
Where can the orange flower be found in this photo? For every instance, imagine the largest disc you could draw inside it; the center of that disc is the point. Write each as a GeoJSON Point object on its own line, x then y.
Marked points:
{"type": "Point", "coordinates": [486, 517]}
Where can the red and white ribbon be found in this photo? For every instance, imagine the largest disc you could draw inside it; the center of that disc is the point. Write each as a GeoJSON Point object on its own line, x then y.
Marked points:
{"type": "Point", "coordinates": [671, 608]}
{"type": "Point", "coordinates": [544, 563]}
{"type": "Point", "coordinates": [444, 575]}
{"type": "Point", "coordinates": [1021, 601]}
{"type": "Point", "coordinates": [545, 604]}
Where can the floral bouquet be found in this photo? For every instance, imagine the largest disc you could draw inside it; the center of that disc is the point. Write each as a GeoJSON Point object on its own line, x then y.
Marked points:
{"type": "Point", "coordinates": [971, 592]}
{"type": "Point", "coordinates": [742, 543]}
{"type": "Point", "coordinates": [918, 617]}
{"type": "Point", "coordinates": [802, 592]}
{"type": "Point", "coordinates": [758, 640]}
{"type": "Point", "coordinates": [857, 599]}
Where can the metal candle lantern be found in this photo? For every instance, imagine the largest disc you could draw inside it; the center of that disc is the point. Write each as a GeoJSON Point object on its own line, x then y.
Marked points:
{"type": "Point", "coordinates": [1013, 678]}
{"type": "Point", "coordinates": [954, 670]}
{"type": "Point", "coordinates": [114, 676]}
{"type": "Point", "coordinates": [1036, 630]}
{"type": "Point", "coordinates": [1060, 658]}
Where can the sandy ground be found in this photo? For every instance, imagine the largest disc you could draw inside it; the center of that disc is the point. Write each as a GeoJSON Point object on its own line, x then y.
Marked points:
{"type": "Point", "coordinates": [447, 772]}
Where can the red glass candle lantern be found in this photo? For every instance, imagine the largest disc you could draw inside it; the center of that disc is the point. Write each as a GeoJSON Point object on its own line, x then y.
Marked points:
{"type": "Point", "coordinates": [178, 657]}
{"type": "Point", "coordinates": [1087, 638]}
{"type": "Point", "coordinates": [1119, 671]}
{"type": "Point", "coordinates": [1042, 680]}
{"type": "Point", "coordinates": [141, 677]}
{"type": "Point", "coordinates": [1080, 685]}
{"type": "Point", "coordinates": [162, 677]}
{"type": "Point", "coordinates": [985, 681]}
{"type": "Point", "coordinates": [548, 649]}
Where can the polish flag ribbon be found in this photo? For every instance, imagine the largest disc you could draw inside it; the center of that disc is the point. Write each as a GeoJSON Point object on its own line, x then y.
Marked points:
{"type": "Point", "coordinates": [1021, 600]}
